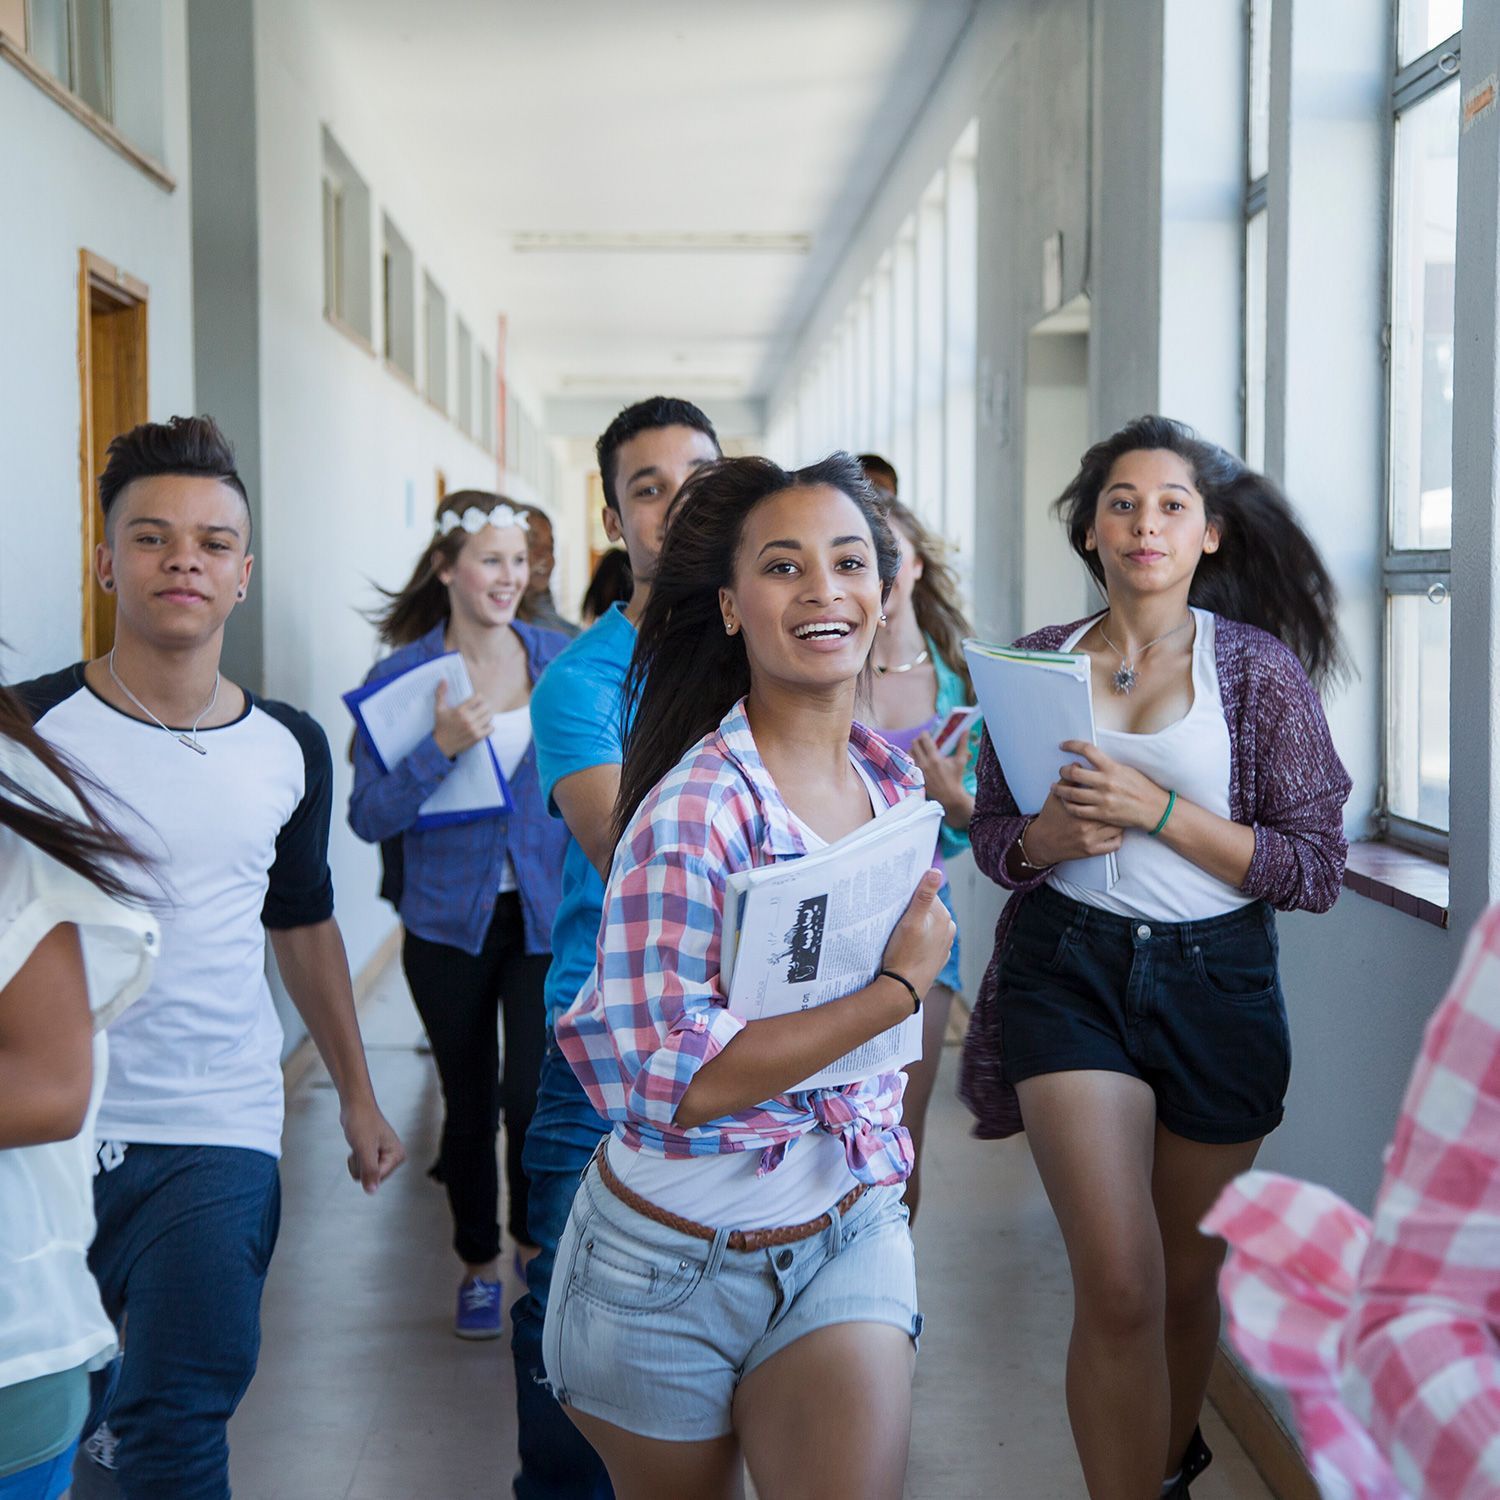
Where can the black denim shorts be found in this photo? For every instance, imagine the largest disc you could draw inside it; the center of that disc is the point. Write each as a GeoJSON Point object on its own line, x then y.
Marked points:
{"type": "Point", "coordinates": [1194, 1009]}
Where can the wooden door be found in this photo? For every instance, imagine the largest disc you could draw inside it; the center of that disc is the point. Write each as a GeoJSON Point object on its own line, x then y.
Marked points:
{"type": "Point", "coordinates": [112, 316]}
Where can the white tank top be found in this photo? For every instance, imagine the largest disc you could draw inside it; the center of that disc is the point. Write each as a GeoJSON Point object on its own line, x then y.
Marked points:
{"type": "Point", "coordinates": [1190, 757]}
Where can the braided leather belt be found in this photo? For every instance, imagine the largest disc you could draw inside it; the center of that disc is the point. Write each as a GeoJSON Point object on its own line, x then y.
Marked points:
{"type": "Point", "coordinates": [739, 1239]}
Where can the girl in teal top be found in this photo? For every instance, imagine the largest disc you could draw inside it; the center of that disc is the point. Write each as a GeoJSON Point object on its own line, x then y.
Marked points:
{"type": "Point", "coordinates": [919, 675]}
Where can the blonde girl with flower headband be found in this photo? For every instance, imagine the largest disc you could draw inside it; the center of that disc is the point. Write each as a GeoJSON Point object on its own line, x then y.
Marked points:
{"type": "Point", "coordinates": [477, 898]}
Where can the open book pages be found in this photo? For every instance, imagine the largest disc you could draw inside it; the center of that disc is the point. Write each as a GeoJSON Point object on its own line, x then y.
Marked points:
{"type": "Point", "coordinates": [805, 931]}
{"type": "Point", "coordinates": [1032, 702]}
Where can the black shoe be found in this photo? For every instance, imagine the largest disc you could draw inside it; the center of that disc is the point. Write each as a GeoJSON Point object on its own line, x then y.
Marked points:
{"type": "Point", "coordinates": [1197, 1458]}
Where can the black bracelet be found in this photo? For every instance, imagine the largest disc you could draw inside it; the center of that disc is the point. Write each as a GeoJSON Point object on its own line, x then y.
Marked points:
{"type": "Point", "coordinates": [911, 989]}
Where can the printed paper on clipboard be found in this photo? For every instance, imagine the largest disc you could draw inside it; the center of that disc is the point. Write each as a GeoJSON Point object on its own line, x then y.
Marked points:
{"type": "Point", "coordinates": [395, 716]}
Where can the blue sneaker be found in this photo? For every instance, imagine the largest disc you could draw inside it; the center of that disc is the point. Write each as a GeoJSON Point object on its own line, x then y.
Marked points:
{"type": "Point", "coordinates": [478, 1315]}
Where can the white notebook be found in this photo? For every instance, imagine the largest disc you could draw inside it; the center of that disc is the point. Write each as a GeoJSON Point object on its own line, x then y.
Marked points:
{"type": "Point", "coordinates": [1033, 701]}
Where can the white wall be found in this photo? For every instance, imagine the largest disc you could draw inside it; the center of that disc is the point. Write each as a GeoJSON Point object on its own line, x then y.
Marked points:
{"type": "Point", "coordinates": [61, 190]}
{"type": "Point", "coordinates": [349, 453]}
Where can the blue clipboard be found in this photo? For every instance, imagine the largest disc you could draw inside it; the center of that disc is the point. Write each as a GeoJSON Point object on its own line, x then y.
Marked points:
{"type": "Point", "coordinates": [354, 702]}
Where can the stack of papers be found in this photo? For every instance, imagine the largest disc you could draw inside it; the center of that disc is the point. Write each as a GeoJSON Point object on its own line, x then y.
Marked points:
{"type": "Point", "coordinates": [395, 716]}
{"type": "Point", "coordinates": [801, 932]}
{"type": "Point", "coordinates": [1033, 701]}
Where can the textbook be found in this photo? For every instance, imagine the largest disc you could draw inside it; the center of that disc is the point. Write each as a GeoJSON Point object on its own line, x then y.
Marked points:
{"type": "Point", "coordinates": [801, 932]}
{"type": "Point", "coordinates": [395, 716]}
{"type": "Point", "coordinates": [1033, 701]}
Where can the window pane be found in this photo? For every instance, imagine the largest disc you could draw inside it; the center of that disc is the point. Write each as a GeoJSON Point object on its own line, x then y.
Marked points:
{"type": "Point", "coordinates": [1417, 710]}
{"type": "Point", "coordinates": [1260, 88]}
{"type": "Point", "coordinates": [47, 36]}
{"type": "Point", "coordinates": [1424, 219]}
{"type": "Point", "coordinates": [1425, 23]}
{"type": "Point", "coordinates": [91, 71]}
{"type": "Point", "coordinates": [1255, 341]}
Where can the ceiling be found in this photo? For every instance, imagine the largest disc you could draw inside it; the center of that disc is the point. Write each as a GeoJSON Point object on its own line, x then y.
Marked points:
{"type": "Point", "coordinates": [633, 145]}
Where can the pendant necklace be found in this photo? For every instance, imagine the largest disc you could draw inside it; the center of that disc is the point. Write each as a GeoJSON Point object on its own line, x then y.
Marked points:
{"type": "Point", "coordinates": [182, 736]}
{"type": "Point", "coordinates": [905, 666]}
{"type": "Point", "coordinates": [1125, 675]}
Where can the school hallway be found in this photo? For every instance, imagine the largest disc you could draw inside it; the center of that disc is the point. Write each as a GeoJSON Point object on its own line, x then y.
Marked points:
{"type": "Point", "coordinates": [363, 1393]}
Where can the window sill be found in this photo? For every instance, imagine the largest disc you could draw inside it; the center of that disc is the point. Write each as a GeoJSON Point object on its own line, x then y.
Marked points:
{"type": "Point", "coordinates": [353, 335]}
{"type": "Point", "coordinates": [23, 62]}
{"type": "Point", "coordinates": [1412, 883]}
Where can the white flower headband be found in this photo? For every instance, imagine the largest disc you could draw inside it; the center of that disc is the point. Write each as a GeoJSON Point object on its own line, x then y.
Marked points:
{"type": "Point", "coordinates": [475, 519]}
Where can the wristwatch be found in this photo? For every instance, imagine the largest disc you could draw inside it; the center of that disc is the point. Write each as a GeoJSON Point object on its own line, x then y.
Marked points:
{"type": "Point", "coordinates": [1022, 858]}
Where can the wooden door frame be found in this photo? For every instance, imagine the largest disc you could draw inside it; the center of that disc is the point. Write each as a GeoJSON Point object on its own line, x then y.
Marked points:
{"type": "Point", "coordinates": [96, 276]}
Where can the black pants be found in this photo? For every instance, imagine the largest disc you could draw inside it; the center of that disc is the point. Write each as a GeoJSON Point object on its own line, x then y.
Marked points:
{"type": "Point", "coordinates": [457, 995]}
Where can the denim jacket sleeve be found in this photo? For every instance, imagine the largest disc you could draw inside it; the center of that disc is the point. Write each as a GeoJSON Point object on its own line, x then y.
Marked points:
{"type": "Point", "coordinates": [384, 803]}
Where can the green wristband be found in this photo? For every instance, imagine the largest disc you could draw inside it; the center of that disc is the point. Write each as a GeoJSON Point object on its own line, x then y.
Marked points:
{"type": "Point", "coordinates": [1171, 803]}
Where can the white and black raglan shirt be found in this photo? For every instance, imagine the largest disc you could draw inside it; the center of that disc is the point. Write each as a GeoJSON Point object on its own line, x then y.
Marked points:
{"type": "Point", "coordinates": [239, 841]}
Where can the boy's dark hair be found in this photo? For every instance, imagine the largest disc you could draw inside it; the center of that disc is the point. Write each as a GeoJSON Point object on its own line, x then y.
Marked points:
{"type": "Point", "coordinates": [879, 472]}
{"type": "Point", "coordinates": [645, 416]}
{"type": "Point", "coordinates": [180, 445]}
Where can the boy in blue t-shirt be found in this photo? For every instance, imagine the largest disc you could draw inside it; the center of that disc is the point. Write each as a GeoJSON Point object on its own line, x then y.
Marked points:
{"type": "Point", "coordinates": [578, 725]}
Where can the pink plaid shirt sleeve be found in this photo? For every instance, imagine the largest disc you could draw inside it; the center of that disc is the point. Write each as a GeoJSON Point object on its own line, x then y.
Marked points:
{"type": "Point", "coordinates": [1387, 1335]}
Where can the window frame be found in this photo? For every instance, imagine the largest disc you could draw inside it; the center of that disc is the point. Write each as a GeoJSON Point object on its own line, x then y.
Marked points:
{"type": "Point", "coordinates": [1256, 202]}
{"type": "Point", "coordinates": [1407, 571]}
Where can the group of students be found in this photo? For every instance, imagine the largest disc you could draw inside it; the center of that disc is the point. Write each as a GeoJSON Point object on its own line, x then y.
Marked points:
{"type": "Point", "coordinates": [703, 1245]}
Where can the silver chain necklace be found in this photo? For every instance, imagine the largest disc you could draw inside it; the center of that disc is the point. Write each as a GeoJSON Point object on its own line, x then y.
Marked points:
{"type": "Point", "coordinates": [906, 666]}
{"type": "Point", "coordinates": [1125, 676]}
{"type": "Point", "coordinates": [182, 736]}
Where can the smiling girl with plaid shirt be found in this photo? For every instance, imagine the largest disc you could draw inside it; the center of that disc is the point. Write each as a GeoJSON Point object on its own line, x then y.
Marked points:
{"type": "Point", "coordinates": [736, 1245]}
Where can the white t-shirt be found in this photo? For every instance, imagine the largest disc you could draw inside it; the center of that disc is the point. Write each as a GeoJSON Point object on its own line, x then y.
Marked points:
{"type": "Point", "coordinates": [727, 1188]}
{"type": "Point", "coordinates": [1192, 758]}
{"type": "Point", "coordinates": [510, 737]}
{"type": "Point", "coordinates": [50, 1315]}
{"type": "Point", "coordinates": [240, 836]}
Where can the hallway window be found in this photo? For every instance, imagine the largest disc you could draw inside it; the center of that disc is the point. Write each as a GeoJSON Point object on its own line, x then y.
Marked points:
{"type": "Point", "coordinates": [346, 243]}
{"type": "Point", "coordinates": [1424, 212]}
{"type": "Point", "coordinates": [398, 288]}
{"type": "Point", "coordinates": [486, 403]}
{"type": "Point", "coordinates": [435, 334]}
{"type": "Point", "coordinates": [465, 356]}
{"type": "Point", "coordinates": [71, 40]}
{"type": "Point", "coordinates": [1258, 163]}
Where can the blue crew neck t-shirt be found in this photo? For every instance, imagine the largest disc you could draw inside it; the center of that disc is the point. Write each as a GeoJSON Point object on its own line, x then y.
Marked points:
{"type": "Point", "coordinates": [578, 722]}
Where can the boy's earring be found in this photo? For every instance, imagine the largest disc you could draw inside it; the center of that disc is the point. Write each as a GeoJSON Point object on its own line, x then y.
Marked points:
{"type": "Point", "coordinates": [108, 585]}
{"type": "Point", "coordinates": [240, 595]}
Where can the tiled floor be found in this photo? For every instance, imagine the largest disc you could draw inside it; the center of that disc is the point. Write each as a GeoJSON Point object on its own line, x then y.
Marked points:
{"type": "Point", "coordinates": [364, 1394]}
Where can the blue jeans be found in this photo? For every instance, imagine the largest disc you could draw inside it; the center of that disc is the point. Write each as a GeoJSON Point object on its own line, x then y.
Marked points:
{"type": "Point", "coordinates": [44, 1481]}
{"type": "Point", "coordinates": [185, 1237]}
{"type": "Point", "coordinates": [556, 1462]}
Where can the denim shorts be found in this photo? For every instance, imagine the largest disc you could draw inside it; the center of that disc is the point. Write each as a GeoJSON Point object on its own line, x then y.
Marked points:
{"type": "Point", "coordinates": [652, 1329]}
{"type": "Point", "coordinates": [1194, 1009]}
{"type": "Point", "coordinates": [950, 975]}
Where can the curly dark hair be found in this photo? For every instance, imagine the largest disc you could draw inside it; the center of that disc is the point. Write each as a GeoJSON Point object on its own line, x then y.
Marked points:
{"type": "Point", "coordinates": [1267, 572]}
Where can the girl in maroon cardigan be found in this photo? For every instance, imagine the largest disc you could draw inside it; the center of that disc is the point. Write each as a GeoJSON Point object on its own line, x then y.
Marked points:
{"type": "Point", "coordinates": [1143, 1027]}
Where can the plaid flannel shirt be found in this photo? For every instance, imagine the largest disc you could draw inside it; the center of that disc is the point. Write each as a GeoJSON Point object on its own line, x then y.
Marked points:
{"type": "Point", "coordinates": [1387, 1335]}
{"type": "Point", "coordinates": [654, 1010]}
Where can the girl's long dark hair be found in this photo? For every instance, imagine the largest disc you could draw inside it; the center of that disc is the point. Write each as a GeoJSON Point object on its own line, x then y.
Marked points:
{"type": "Point", "coordinates": [422, 601]}
{"type": "Point", "coordinates": [687, 673]}
{"type": "Point", "coordinates": [1267, 572]}
{"type": "Point", "coordinates": [88, 845]}
{"type": "Point", "coordinates": [935, 596]}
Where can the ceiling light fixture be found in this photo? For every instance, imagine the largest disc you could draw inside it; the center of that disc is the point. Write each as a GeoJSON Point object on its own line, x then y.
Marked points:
{"type": "Point", "coordinates": [695, 242]}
